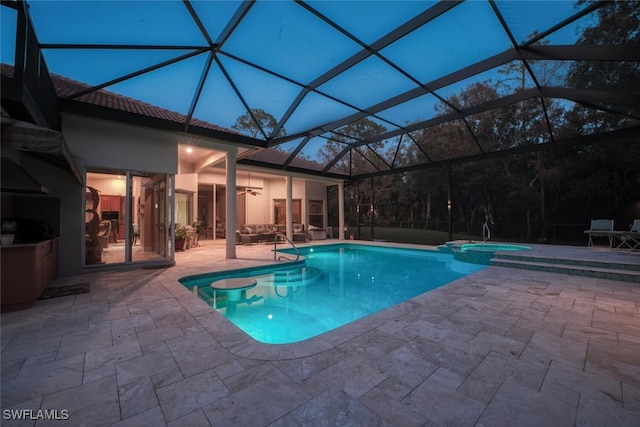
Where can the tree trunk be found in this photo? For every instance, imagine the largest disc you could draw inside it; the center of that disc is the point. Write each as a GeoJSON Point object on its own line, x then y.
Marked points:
{"type": "Point", "coordinates": [427, 211]}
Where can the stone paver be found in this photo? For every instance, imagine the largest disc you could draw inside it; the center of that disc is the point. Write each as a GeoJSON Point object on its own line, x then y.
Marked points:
{"type": "Point", "coordinates": [499, 347]}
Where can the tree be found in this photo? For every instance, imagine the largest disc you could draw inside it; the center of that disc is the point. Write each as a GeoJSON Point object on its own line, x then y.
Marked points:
{"type": "Point", "coordinates": [360, 159]}
{"type": "Point", "coordinates": [258, 123]}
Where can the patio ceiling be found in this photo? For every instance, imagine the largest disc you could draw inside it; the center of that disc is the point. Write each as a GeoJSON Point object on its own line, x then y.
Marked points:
{"type": "Point", "coordinates": [357, 88]}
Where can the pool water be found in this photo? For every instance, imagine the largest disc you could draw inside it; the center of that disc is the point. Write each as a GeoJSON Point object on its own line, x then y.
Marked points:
{"type": "Point", "coordinates": [333, 286]}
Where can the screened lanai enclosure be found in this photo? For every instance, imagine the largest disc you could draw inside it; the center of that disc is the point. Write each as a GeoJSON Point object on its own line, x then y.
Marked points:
{"type": "Point", "coordinates": [441, 116]}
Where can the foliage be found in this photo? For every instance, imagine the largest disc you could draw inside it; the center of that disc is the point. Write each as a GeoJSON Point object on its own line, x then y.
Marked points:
{"type": "Point", "coordinates": [182, 232]}
{"type": "Point", "coordinates": [522, 196]}
{"type": "Point", "coordinates": [258, 123]}
{"type": "Point", "coordinates": [354, 157]}
{"type": "Point", "coordinates": [403, 235]}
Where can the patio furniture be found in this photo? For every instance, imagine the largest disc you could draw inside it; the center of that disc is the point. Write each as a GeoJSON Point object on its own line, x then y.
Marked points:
{"type": "Point", "coordinates": [298, 234]}
{"type": "Point", "coordinates": [220, 230]}
{"type": "Point", "coordinates": [248, 236]}
{"type": "Point", "coordinates": [268, 237]}
{"type": "Point", "coordinates": [600, 228]}
{"type": "Point", "coordinates": [629, 239]}
{"type": "Point", "coordinates": [316, 233]}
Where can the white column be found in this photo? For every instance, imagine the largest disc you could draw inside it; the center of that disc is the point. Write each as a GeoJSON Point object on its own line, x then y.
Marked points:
{"type": "Point", "coordinates": [341, 210]}
{"type": "Point", "coordinates": [230, 231]}
{"type": "Point", "coordinates": [215, 209]}
{"type": "Point", "coordinates": [289, 182]}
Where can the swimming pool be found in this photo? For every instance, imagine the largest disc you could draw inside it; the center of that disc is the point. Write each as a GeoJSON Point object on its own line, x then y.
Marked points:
{"type": "Point", "coordinates": [333, 286]}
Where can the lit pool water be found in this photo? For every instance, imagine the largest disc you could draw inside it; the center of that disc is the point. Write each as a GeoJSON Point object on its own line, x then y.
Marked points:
{"type": "Point", "coordinates": [333, 286]}
{"type": "Point", "coordinates": [494, 247]}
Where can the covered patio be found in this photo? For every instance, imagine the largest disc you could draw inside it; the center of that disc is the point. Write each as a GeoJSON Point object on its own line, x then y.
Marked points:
{"type": "Point", "coordinates": [493, 348]}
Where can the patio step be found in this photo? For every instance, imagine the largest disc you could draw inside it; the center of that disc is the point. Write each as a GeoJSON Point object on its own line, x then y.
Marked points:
{"type": "Point", "coordinates": [625, 274]}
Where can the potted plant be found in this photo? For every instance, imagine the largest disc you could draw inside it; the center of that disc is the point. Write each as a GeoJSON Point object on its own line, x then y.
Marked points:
{"type": "Point", "coordinates": [8, 232]}
{"type": "Point", "coordinates": [198, 224]}
{"type": "Point", "coordinates": [181, 237]}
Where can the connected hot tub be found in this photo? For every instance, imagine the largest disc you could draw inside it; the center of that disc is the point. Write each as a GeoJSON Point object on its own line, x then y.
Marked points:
{"type": "Point", "coordinates": [480, 253]}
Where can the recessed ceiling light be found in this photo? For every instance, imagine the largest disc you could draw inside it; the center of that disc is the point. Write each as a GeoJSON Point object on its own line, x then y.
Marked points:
{"type": "Point", "coordinates": [189, 150]}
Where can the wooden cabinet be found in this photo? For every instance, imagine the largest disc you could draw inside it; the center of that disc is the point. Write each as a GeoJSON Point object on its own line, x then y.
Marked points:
{"type": "Point", "coordinates": [27, 269]}
{"type": "Point", "coordinates": [110, 203]}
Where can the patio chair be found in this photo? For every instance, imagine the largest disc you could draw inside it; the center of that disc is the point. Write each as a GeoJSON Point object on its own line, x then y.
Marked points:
{"type": "Point", "coordinates": [600, 228]}
{"type": "Point", "coordinates": [631, 238]}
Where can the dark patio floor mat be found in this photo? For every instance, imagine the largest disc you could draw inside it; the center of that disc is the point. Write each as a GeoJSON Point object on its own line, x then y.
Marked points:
{"type": "Point", "coordinates": [63, 291]}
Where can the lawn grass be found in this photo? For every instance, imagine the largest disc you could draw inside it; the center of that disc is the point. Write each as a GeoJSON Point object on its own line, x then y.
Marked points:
{"type": "Point", "coordinates": [408, 235]}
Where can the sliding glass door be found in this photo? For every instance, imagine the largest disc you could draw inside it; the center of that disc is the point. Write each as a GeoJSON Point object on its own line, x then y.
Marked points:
{"type": "Point", "coordinates": [149, 234]}
{"type": "Point", "coordinates": [126, 217]}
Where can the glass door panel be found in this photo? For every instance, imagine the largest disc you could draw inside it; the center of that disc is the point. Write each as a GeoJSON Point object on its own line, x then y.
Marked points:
{"type": "Point", "coordinates": [148, 234]}
{"type": "Point", "coordinates": [105, 218]}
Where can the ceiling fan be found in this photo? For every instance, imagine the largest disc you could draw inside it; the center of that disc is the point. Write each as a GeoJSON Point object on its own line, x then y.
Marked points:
{"type": "Point", "coordinates": [248, 189]}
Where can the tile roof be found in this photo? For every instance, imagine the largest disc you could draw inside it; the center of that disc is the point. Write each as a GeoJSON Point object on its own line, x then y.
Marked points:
{"type": "Point", "coordinates": [66, 87]}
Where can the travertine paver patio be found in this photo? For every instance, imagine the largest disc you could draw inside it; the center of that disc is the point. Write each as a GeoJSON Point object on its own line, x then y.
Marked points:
{"type": "Point", "coordinates": [499, 347]}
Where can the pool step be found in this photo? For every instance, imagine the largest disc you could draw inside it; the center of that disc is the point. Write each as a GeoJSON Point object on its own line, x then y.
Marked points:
{"type": "Point", "coordinates": [301, 276]}
{"type": "Point", "coordinates": [523, 256]}
{"type": "Point", "coordinates": [205, 293]}
{"type": "Point", "coordinates": [601, 270]}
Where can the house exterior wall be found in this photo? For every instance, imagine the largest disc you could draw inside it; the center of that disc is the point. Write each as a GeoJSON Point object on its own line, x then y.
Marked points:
{"type": "Point", "coordinates": [105, 144]}
{"type": "Point", "coordinates": [102, 144]}
{"type": "Point", "coordinates": [259, 208]}
{"type": "Point", "coordinates": [99, 145]}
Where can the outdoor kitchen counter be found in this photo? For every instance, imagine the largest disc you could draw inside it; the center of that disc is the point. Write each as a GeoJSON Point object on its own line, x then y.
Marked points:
{"type": "Point", "coordinates": [27, 269]}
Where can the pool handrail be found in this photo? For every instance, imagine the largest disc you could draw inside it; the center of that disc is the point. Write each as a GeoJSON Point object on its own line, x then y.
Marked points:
{"type": "Point", "coordinates": [275, 248]}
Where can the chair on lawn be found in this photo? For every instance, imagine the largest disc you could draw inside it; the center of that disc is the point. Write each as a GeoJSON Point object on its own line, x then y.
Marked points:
{"type": "Point", "coordinates": [631, 238]}
{"type": "Point", "coordinates": [600, 228]}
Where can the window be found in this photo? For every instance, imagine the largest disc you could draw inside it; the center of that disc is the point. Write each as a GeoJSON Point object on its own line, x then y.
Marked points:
{"type": "Point", "coordinates": [316, 213]}
{"type": "Point", "coordinates": [280, 211]}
